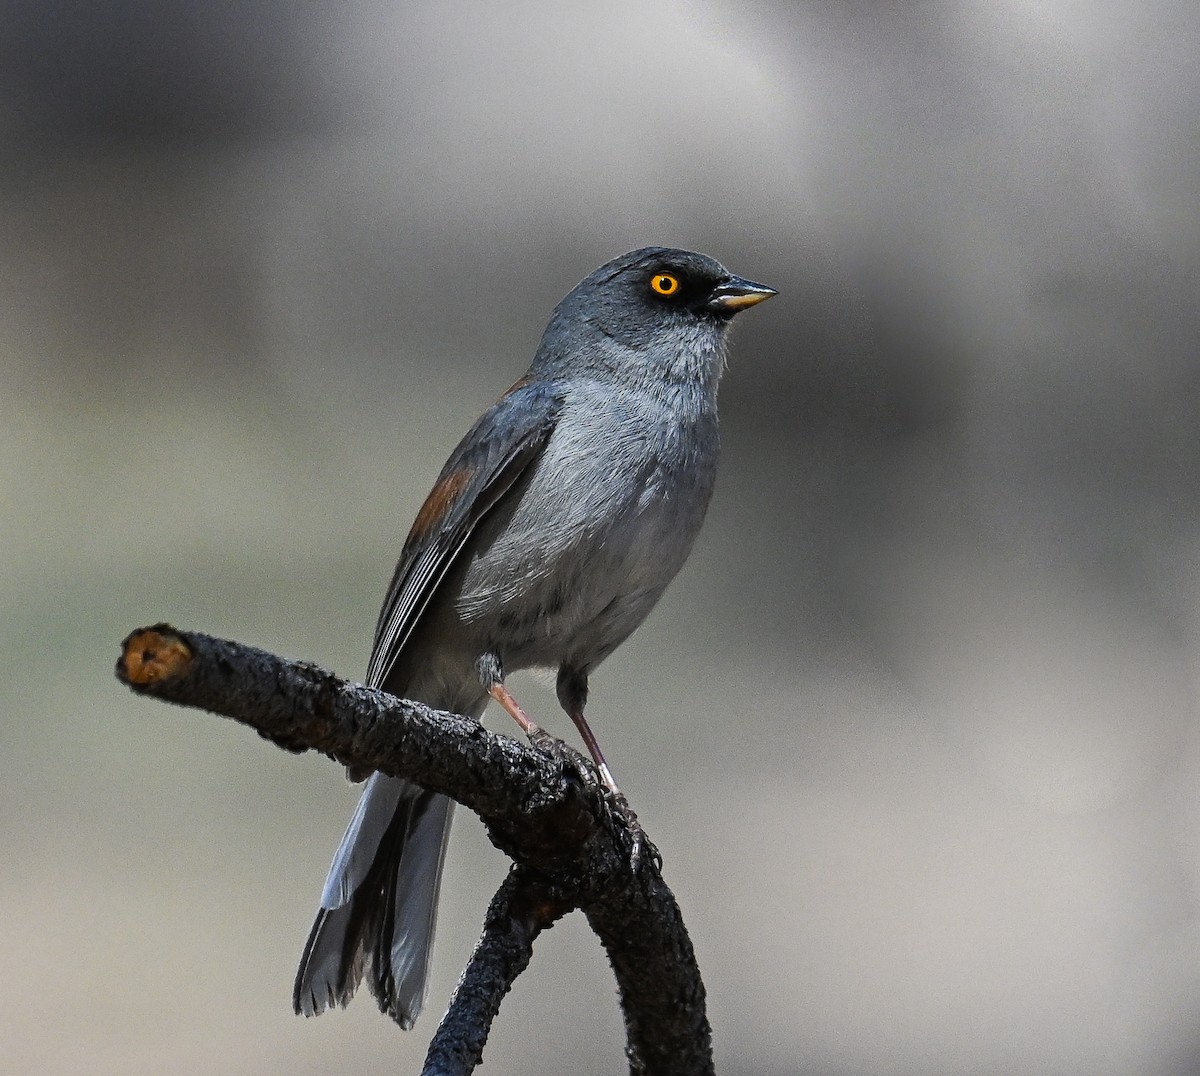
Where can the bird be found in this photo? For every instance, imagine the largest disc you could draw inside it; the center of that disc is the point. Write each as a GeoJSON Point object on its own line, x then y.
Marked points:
{"type": "Point", "coordinates": [550, 533]}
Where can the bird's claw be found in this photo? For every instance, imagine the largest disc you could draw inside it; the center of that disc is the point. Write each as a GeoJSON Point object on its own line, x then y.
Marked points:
{"type": "Point", "coordinates": [640, 845]}
{"type": "Point", "coordinates": [551, 745]}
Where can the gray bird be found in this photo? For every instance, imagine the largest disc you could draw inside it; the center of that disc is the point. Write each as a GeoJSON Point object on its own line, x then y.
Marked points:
{"type": "Point", "coordinates": [552, 530]}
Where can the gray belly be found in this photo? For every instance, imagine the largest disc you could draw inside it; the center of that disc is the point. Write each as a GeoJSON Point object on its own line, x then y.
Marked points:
{"type": "Point", "coordinates": [567, 568]}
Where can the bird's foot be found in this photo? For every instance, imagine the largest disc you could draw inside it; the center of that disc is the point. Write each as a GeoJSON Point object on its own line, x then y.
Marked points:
{"type": "Point", "coordinates": [639, 844]}
{"type": "Point", "coordinates": [551, 745]}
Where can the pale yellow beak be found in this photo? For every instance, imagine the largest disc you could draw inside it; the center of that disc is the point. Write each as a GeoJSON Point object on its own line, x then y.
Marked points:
{"type": "Point", "coordinates": [737, 293]}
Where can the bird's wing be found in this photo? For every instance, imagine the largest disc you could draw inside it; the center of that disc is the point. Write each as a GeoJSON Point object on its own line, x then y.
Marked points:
{"type": "Point", "coordinates": [496, 451]}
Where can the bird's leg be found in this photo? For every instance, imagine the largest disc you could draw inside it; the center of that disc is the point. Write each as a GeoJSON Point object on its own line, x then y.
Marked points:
{"type": "Point", "coordinates": [491, 673]}
{"type": "Point", "coordinates": [491, 676]}
{"type": "Point", "coordinates": [572, 694]}
{"type": "Point", "coordinates": [504, 697]}
{"type": "Point", "coordinates": [593, 747]}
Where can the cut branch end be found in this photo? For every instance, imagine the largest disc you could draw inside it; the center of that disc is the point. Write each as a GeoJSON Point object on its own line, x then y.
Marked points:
{"type": "Point", "coordinates": [151, 655]}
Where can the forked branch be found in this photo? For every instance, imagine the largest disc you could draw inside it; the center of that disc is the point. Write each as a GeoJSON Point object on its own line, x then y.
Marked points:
{"type": "Point", "coordinates": [547, 811]}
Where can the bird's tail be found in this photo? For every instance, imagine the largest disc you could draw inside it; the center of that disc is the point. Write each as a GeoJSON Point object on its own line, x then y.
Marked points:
{"type": "Point", "coordinates": [379, 906]}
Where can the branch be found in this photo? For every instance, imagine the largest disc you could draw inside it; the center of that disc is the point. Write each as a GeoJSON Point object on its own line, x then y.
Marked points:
{"type": "Point", "coordinates": [519, 912]}
{"type": "Point", "coordinates": [546, 810]}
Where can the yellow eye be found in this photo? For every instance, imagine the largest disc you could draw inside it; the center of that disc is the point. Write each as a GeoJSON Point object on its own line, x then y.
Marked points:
{"type": "Point", "coordinates": [664, 283]}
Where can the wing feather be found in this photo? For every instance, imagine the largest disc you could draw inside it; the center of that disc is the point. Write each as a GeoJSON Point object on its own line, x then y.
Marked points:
{"type": "Point", "coordinates": [497, 450]}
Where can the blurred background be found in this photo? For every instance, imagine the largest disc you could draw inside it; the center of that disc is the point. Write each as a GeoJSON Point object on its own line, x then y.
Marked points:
{"type": "Point", "coordinates": [915, 730]}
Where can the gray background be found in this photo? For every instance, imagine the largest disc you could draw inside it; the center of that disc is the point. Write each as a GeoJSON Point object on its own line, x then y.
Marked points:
{"type": "Point", "coordinates": [916, 728]}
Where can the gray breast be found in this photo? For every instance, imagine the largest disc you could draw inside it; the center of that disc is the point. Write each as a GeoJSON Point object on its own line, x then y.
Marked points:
{"type": "Point", "coordinates": [573, 562]}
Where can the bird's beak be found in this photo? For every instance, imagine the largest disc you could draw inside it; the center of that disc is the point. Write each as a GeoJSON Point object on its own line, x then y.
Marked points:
{"type": "Point", "coordinates": [737, 293]}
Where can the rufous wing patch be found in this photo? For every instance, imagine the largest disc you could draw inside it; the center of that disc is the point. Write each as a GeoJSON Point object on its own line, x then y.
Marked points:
{"type": "Point", "coordinates": [521, 382]}
{"type": "Point", "coordinates": [443, 495]}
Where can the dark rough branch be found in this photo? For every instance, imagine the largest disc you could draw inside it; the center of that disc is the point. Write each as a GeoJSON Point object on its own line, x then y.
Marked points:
{"type": "Point", "coordinates": [543, 809]}
{"type": "Point", "coordinates": [520, 911]}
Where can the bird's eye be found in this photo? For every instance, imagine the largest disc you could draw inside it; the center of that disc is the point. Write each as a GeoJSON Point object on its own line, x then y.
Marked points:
{"type": "Point", "coordinates": [664, 283]}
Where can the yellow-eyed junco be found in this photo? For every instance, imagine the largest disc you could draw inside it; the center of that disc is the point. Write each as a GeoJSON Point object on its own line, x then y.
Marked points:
{"type": "Point", "coordinates": [552, 530]}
